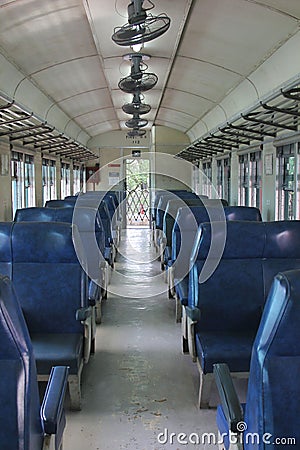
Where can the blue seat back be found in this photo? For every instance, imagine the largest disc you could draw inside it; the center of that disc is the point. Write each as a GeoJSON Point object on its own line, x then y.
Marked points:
{"type": "Point", "coordinates": [112, 209]}
{"type": "Point", "coordinates": [184, 231]}
{"type": "Point", "coordinates": [273, 389]}
{"type": "Point", "coordinates": [159, 193]}
{"type": "Point", "coordinates": [59, 204]}
{"type": "Point", "coordinates": [72, 198]}
{"type": "Point", "coordinates": [95, 200]}
{"type": "Point", "coordinates": [43, 214]}
{"type": "Point", "coordinates": [5, 249]}
{"type": "Point", "coordinates": [163, 201]}
{"type": "Point", "coordinates": [187, 222]}
{"type": "Point", "coordinates": [171, 212]}
{"type": "Point", "coordinates": [47, 275]}
{"type": "Point", "coordinates": [234, 295]}
{"type": "Point", "coordinates": [242, 213]}
{"type": "Point", "coordinates": [21, 426]}
{"type": "Point", "coordinates": [116, 195]}
{"type": "Point", "coordinates": [87, 221]}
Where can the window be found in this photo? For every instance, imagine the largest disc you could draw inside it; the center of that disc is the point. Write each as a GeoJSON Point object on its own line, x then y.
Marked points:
{"type": "Point", "coordinates": [22, 176]}
{"type": "Point", "coordinates": [76, 179]}
{"type": "Point", "coordinates": [207, 179]}
{"type": "Point", "coordinates": [250, 175]}
{"type": "Point", "coordinates": [287, 171]}
{"type": "Point", "coordinates": [48, 179]}
{"type": "Point", "coordinates": [29, 181]}
{"type": "Point", "coordinates": [243, 180]}
{"type": "Point", "coordinates": [223, 178]}
{"type": "Point", "coordinates": [255, 170]}
{"type": "Point", "coordinates": [82, 179]}
{"type": "Point", "coordinates": [65, 187]}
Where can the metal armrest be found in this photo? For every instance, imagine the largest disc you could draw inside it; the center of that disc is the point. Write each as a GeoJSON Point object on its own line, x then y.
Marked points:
{"type": "Point", "coordinates": [193, 313]}
{"type": "Point", "coordinates": [94, 293]}
{"type": "Point", "coordinates": [52, 413]}
{"type": "Point", "coordinates": [83, 314]}
{"type": "Point", "coordinates": [230, 403]}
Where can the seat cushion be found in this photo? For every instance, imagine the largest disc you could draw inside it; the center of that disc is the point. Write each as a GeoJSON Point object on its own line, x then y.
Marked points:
{"type": "Point", "coordinates": [64, 349]}
{"type": "Point", "coordinates": [224, 347]}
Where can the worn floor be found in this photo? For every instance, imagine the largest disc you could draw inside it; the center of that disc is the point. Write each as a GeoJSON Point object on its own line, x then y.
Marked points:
{"type": "Point", "coordinates": [139, 388]}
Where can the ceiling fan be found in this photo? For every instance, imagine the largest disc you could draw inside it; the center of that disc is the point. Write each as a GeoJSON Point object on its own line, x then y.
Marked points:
{"type": "Point", "coordinates": [142, 26]}
{"type": "Point", "coordinates": [138, 80]}
{"type": "Point", "coordinates": [136, 132]}
{"type": "Point", "coordinates": [136, 106]}
{"type": "Point", "coordinates": [136, 122]}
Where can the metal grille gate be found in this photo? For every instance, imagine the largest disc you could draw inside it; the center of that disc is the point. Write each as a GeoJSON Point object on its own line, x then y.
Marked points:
{"type": "Point", "coordinates": [137, 192]}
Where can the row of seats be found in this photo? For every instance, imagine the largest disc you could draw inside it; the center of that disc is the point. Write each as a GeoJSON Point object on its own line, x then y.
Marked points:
{"type": "Point", "coordinates": [221, 267]}
{"type": "Point", "coordinates": [223, 310]}
{"type": "Point", "coordinates": [270, 416]}
{"type": "Point", "coordinates": [59, 255]}
{"type": "Point", "coordinates": [52, 287]}
{"type": "Point", "coordinates": [25, 423]}
{"type": "Point", "coordinates": [54, 265]}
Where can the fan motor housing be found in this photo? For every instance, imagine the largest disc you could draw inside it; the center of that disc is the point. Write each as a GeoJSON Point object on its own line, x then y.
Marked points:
{"type": "Point", "coordinates": [136, 17]}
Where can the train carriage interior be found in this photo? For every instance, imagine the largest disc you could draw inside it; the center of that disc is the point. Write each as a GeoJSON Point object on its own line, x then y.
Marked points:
{"type": "Point", "coordinates": [149, 224]}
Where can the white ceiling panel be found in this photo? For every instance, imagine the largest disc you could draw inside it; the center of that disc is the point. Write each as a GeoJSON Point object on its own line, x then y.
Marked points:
{"type": "Point", "coordinates": [234, 34]}
{"type": "Point", "coordinates": [290, 7]}
{"type": "Point", "coordinates": [166, 123]}
{"type": "Point", "coordinates": [103, 127]}
{"type": "Point", "coordinates": [185, 102]}
{"type": "Point", "coordinates": [90, 119]}
{"type": "Point", "coordinates": [176, 117]}
{"type": "Point", "coordinates": [201, 78]}
{"type": "Point", "coordinates": [84, 102]}
{"type": "Point", "coordinates": [71, 78]}
{"type": "Point", "coordinates": [40, 34]}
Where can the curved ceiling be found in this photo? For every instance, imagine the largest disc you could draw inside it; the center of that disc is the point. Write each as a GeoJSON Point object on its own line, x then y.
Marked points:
{"type": "Point", "coordinates": [63, 65]}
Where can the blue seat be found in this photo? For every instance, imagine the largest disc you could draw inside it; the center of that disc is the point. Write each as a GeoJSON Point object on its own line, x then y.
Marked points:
{"type": "Point", "coordinates": [183, 236]}
{"type": "Point", "coordinates": [95, 201]}
{"type": "Point", "coordinates": [87, 221]}
{"type": "Point", "coordinates": [225, 306]}
{"type": "Point", "coordinates": [112, 200]}
{"type": "Point", "coordinates": [87, 200]}
{"type": "Point", "coordinates": [168, 223]}
{"type": "Point", "coordinates": [161, 208]}
{"type": "Point", "coordinates": [157, 195]}
{"type": "Point", "coordinates": [115, 223]}
{"type": "Point", "coordinates": [272, 407]}
{"type": "Point", "coordinates": [25, 424]}
{"type": "Point", "coordinates": [52, 288]}
{"type": "Point", "coordinates": [44, 214]}
{"type": "Point", "coordinates": [92, 237]}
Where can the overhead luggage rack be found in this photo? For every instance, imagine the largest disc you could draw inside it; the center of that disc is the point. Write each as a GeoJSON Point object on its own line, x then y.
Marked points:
{"type": "Point", "coordinates": [20, 125]}
{"type": "Point", "coordinates": [268, 118]}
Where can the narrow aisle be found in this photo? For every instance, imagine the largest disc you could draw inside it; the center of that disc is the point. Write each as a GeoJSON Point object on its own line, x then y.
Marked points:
{"type": "Point", "coordinates": [138, 384]}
